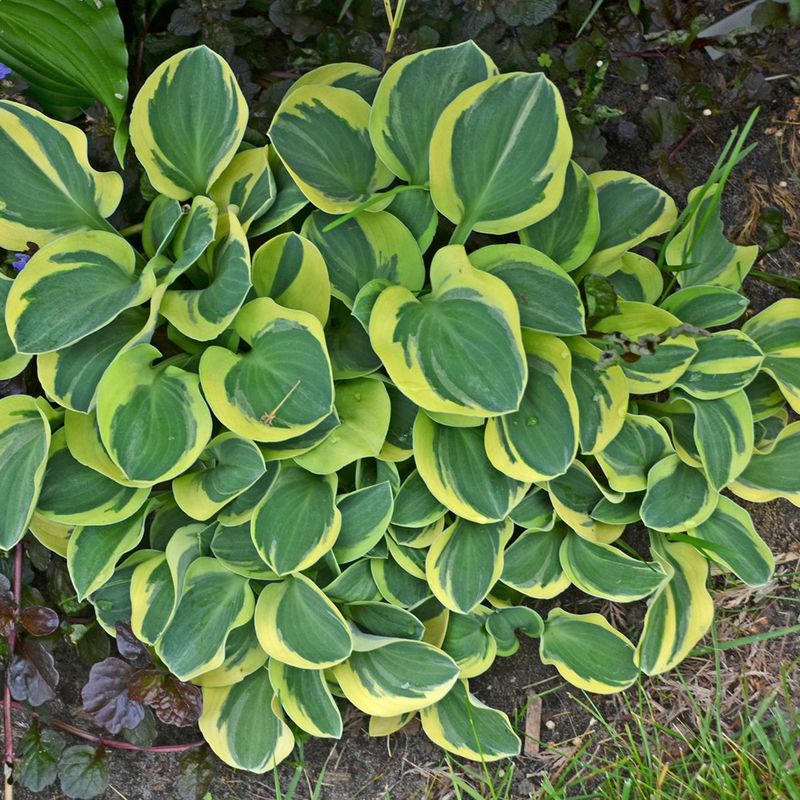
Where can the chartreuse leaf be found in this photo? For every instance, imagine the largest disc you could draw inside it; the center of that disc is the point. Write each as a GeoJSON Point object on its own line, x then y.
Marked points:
{"type": "Point", "coordinates": [605, 571]}
{"type": "Point", "coordinates": [659, 370]}
{"type": "Point", "coordinates": [626, 460]}
{"type": "Point", "coordinates": [97, 266]}
{"type": "Point", "coordinates": [631, 210]}
{"type": "Point", "coordinates": [297, 522]}
{"type": "Point", "coordinates": [227, 467]}
{"type": "Point", "coordinates": [411, 559]}
{"type": "Point", "coordinates": [465, 561]}
{"type": "Point", "coordinates": [634, 277]}
{"type": "Point", "coordinates": [247, 184]}
{"type": "Point", "coordinates": [385, 676]}
{"type": "Point", "coordinates": [181, 152]}
{"type": "Point", "coordinates": [282, 387]}
{"type": "Point", "coordinates": [386, 726]}
{"type": "Point", "coordinates": [420, 537]}
{"type": "Point", "coordinates": [152, 593]}
{"type": "Point", "coordinates": [775, 473]}
{"type": "Point", "coordinates": [363, 407]}
{"type": "Point", "coordinates": [706, 306]}
{"type": "Point", "coordinates": [24, 444]}
{"type": "Point", "coordinates": [203, 314]}
{"type": "Point", "coordinates": [304, 695]}
{"type": "Point", "coordinates": [11, 362]}
{"type": "Point", "coordinates": [680, 613]}
{"type": "Point", "coordinates": [414, 505]}
{"type": "Point", "coordinates": [288, 198]}
{"type": "Point", "coordinates": [243, 656]}
{"type": "Point", "coordinates": [539, 440]}
{"type": "Point", "coordinates": [49, 188]}
{"type": "Point", "coordinates": [297, 445]}
{"type": "Point", "coordinates": [320, 133]}
{"type": "Point", "coordinates": [776, 330]}
{"type": "Point", "coordinates": [357, 78]}
{"type": "Point", "coordinates": [588, 652]}
{"type": "Point", "coordinates": [548, 299]}
{"type": "Point", "coordinates": [729, 538]}
{"type": "Point", "coordinates": [298, 625]}
{"type": "Point", "coordinates": [290, 269]}
{"type": "Point", "coordinates": [602, 396]}
{"type": "Point", "coordinates": [700, 250]}
{"type": "Point", "coordinates": [457, 350]}
{"type": "Point", "coordinates": [499, 153]}
{"type": "Point", "coordinates": [569, 234]}
{"type": "Point", "coordinates": [725, 362]}
{"type": "Point", "coordinates": [74, 494]}
{"type": "Point", "coordinates": [135, 396]}
{"type": "Point", "coordinates": [233, 546]}
{"type": "Point", "coordinates": [504, 623]}
{"type": "Point", "coordinates": [464, 726]}
{"type": "Point", "coordinates": [457, 472]}
{"type": "Point", "coordinates": [53, 535]}
{"type": "Point", "coordinates": [241, 727]}
{"type": "Point", "coordinates": [93, 551]}
{"type": "Point", "coordinates": [531, 564]}
{"type": "Point", "coordinates": [368, 246]}
{"type": "Point", "coordinates": [212, 603]}
{"type": "Point", "coordinates": [412, 96]}
{"type": "Point", "coordinates": [672, 478]}
{"type": "Point", "coordinates": [365, 518]}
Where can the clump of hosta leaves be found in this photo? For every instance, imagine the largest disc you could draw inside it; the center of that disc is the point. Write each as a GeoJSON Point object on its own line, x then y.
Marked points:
{"type": "Point", "coordinates": [314, 452]}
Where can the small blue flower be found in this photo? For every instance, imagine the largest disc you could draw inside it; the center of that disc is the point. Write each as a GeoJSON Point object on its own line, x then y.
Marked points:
{"type": "Point", "coordinates": [20, 260]}
{"type": "Point", "coordinates": [4, 71]}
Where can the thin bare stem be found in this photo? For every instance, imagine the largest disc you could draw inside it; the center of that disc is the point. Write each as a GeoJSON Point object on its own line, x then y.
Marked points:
{"type": "Point", "coordinates": [12, 642]}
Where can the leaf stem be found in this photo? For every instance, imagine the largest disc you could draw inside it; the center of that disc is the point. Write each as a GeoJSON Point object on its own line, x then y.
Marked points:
{"type": "Point", "coordinates": [12, 642]}
{"type": "Point", "coordinates": [132, 230]}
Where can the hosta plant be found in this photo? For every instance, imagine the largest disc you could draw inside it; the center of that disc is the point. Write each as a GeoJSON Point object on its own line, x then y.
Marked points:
{"type": "Point", "coordinates": [353, 398]}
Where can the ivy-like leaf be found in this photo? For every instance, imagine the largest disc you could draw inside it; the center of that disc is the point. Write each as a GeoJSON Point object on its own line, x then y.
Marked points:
{"type": "Point", "coordinates": [83, 771]}
{"type": "Point", "coordinates": [39, 751]}
{"type": "Point", "coordinates": [197, 768]}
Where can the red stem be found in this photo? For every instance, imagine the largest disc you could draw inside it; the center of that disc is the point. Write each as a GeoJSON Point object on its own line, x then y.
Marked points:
{"type": "Point", "coordinates": [12, 642]}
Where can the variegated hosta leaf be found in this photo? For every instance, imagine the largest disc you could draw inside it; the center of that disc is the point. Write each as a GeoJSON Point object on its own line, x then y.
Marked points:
{"type": "Point", "coordinates": [657, 371]}
{"type": "Point", "coordinates": [706, 306]}
{"type": "Point", "coordinates": [534, 511]}
{"type": "Point", "coordinates": [504, 623]}
{"type": "Point", "coordinates": [412, 96]}
{"type": "Point", "coordinates": [465, 561]}
{"type": "Point", "coordinates": [548, 299]}
{"type": "Point", "coordinates": [605, 571]}
{"type": "Point", "coordinates": [152, 594]}
{"type": "Point", "coordinates": [358, 78]}
{"type": "Point", "coordinates": [243, 657]}
{"type": "Point", "coordinates": [725, 362]}
{"type": "Point", "coordinates": [382, 619]}
{"type": "Point", "coordinates": [766, 430]}
{"type": "Point", "coordinates": [288, 198]}
{"type": "Point", "coordinates": [11, 362]}
{"type": "Point", "coordinates": [634, 277]}
{"type": "Point", "coordinates": [531, 563]}
{"type": "Point", "coordinates": [365, 517]}
{"type": "Point", "coordinates": [765, 396]}
{"type": "Point", "coordinates": [414, 505]}
{"type": "Point", "coordinates": [213, 602]}
{"type": "Point", "coordinates": [395, 583]}
{"type": "Point", "coordinates": [194, 233]}
{"type": "Point", "coordinates": [161, 221]}
{"type": "Point", "coordinates": [74, 494]}
{"type": "Point", "coordinates": [776, 330]}
{"type": "Point", "coordinates": [227, 467]}
{"type": "Point", "coordinates": [569, 234]}
{"type": "Point", "coordinates": [153, 420]}
{"type": "Point", "coordinates": [53, 535]}
{"type": "Point", "coordinates": [631, 210]}
{"type": "Point", "coordinates": [701, 251]}
{"type": "Point", "coordinates": [24, 444]}
{"type": "Point", "coordinates": [729, 538]}
{"type": "Point", "coordinates": [672, 478]}
{"type": "Point", "coordinates": [775, 473]}
{"type": "Point", "coordinates": [464, 726]}
{"type": "Point", "coordinates": [370, 245]}
{"type": "Point", "coordinates": [297, 522]}
{"type": "Point", "coordinates": [233, 546]}
{"type": "Point", "coordinates": [399, 444]}
{"type": "Point", "coordinates": [354, 585]}
{"type": "Point", "coordinates": [680, 613]}
{"type": "Point", "coordinates": [415, 209]}
{"type": "Point", "coordinates": [457, 350]}
{"type": "Point", "coordinates": [96, 266]}
{"type": "Point", "coordinates": [602, 396]}
{"type": "Point", "coordinates": [241, 726]}
{"type": "Point", "coordinates": [241, 508]}
{"type": "Point", "coordinates": [203, 314]}
{"type": "Point", "coordinates": [588, 652]}
{"type": "Point", "coordinates": [304, 695]}
{"type": "Point", "coordinates": [539, 440]}
{"type": "Point", "coordinates": [386, 676]}
{"type": "Point", "coordinates": [297, 445]}
{"type": "Point", "coordinates": [247, 184]}
{"type": "Point", "coordinates": [348, 342]}
{"type": "Point", "coordinates": [320, 133]}
{"type": "Point", "coordinates": [49, 188]}
{"type": "Point", "coordinates": [182, 153]}
{"type": "Point", "coordinates": [290, 269]}
{"type": "Point", "coordinates": [298, 625]}
{"type": "Point", "coordinates": [457, 472]}
{"type": "Point", "coordinates": [112, 601]}
{"type": "Point", "coordinates": [499, 154]}
{"type": "Point", "coordinates": [282, 387]}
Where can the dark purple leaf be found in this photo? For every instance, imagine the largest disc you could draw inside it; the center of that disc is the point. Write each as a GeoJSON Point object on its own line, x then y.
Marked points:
{"type": "Point", "coordinates": [32, 676]}
{"type": "Point", "coordinates": [5, 588]}
{"type": "Point", "coordinates": [130, 647]}
{"type": "Point", "coordinates": [39, 620]}
{"type": "Point", "coordinates": [8, 618]}
{"type": "Point", "coordinates": [106, 697]}
{"type": "Point", "coordinates": [174, 702]}
{"type": "Point", "coordinates": [83, 771]}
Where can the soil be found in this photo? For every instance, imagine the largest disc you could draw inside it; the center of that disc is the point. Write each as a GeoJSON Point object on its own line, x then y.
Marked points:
{"type": "Point", "coordinates": [406, 765]}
